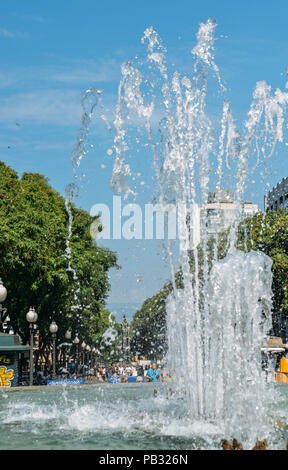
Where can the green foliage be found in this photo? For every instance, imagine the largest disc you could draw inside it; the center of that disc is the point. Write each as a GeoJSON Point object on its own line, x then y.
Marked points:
{"type": "Point", "coordinates": [263, 232]}
{"type": "Point", "coordinates": [148, 328]}
{"type": "Point", "coordinates": [269, 233]}
{"type": "Point", "coordinates": [33, 266]}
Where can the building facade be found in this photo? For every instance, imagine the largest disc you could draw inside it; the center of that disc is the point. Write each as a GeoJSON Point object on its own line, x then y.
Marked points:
{"type": "Point", "coordinates": [277, 197]}
{"type": "Point", "coordinates": [217, 215]}
{"type": "Point", "coordinates": [221, 211]}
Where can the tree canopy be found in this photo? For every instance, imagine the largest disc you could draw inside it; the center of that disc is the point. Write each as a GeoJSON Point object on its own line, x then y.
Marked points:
{"type": "Point", "coordinates": [33, 266]}
{"type": "Point", "coordinates": [268, 232]}
{"type": "Point", "coordinates": [148, 327]}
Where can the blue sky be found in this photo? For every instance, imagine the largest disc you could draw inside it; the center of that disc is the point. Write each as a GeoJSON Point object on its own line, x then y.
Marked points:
{"type": "Point", "coordinates": [51, 52]}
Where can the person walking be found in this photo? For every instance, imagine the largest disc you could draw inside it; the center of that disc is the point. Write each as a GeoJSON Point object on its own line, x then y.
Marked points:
{"type": "Point", "coordinates": [153, 374]}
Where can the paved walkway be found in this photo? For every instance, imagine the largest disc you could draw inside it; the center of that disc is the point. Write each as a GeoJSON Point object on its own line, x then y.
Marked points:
{"type": "Point", "coordinates": [49, 387]}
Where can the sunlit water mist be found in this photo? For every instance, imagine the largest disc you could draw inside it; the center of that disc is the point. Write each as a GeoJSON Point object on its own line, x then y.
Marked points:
{"type": "Point", "coordinates": [89, 102]}
{"type": "Point", "coordinates": [218, 355]}
{"type": "Point", "coordinates": [218, 318]}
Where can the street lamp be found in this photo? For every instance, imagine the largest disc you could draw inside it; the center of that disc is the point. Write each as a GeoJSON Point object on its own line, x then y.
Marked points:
{"type": "Point", "coordinates": [3, 295]}
{"type": "Point", "coordinates": [68, 335]}
{"type": "Point", "coordinates": [76, 341]}
{"type": "Point", "coordinates": [88, 349]}
{"type": "Point", "coordinates": [53, 330]}
{"type": "Point", "coordinates": [97, 357]}
{"type": "Point", "coordinates": [5, 324]}
{"type": "Point", "coordinates": [93, 356]}
{"type": "Point", "coordinates": [83, 346]}
{"type": "Point", "coordinates": [125, 339]}
{"type": "Point", "coordinates": [31, 317]}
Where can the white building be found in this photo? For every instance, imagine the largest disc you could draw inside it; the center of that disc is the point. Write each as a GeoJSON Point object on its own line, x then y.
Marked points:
{"type": "Point", "coordinates": [216, 216]}
{"type": "Point", "coordinates": [277, 197]}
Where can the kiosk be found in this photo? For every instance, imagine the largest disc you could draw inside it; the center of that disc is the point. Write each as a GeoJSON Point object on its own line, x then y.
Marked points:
{"type": "Point", "coordinates": [11, 357]}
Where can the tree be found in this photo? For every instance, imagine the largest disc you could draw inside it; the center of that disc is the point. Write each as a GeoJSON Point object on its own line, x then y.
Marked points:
{"type": "Point", "coordinates": [269, 233]}
{"type": "Point", "coordinates": [148, 327]}
{"type": "Point", "coordinates": [33, 266]}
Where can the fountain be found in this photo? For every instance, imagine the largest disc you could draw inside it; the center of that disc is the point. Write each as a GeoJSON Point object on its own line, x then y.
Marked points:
{"type": "Point", "coordinates": [215, 321]}
{"type": "Point", "coordinates": [218, 318]}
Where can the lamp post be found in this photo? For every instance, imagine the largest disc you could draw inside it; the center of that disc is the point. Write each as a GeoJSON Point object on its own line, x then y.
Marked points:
{"type": "Point", "coordinates": [93, 357]}
{"type": "Point", "coordinates": [68, 336]}
{"type": "Point", "coordinates": [125, 339]}
{"type": "Point", "coordinates": [3, 295]}
{"type": "Point", "coordinates": [97, 357]}
{"type": "Point", "coordinates": [83, 345]}
{"type": "Point", "coordinates": [88, 349]}
{"type": "Point", "coordinates": [76, 341]}
{"type": "Point", "coordinates": [31, 317]}
{"type": "Point", "coordinates": [53, 330]}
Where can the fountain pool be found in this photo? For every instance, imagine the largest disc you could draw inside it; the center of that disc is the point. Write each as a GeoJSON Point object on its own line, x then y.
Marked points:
{"type": "Point", "coordinates": [119, 417]}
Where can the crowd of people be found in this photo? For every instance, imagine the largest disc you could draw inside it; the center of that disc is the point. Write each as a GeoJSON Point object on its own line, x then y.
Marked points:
{"type": "Point", "coordinates": [142, 373]}
{"type": "Point", "coordinates": [118, 372]}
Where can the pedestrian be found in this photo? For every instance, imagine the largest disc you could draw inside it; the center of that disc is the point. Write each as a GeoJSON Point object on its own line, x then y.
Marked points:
{"type": "Point", "coordinates": [153, 374]}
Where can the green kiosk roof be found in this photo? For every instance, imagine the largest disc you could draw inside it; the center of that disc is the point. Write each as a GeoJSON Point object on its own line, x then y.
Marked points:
{"type": "Point", "coordinates": [11, 343]}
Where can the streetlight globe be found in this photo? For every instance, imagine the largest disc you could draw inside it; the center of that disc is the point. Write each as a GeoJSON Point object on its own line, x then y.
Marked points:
{"type": "Point", "coordinates": [31, 316]}
{"type": "Point", "coordinates": [68, 334]}
{"type": "Point", "coordinates": [53, 327]}
{"type": "Point", "coordinates": [3, 291]}
{"type": "Point", "coordinates": [83, 345]}
{"type": "Point", "coordinates": [88, 348]}
{"type": "Point", "coordinates": [76, 340]}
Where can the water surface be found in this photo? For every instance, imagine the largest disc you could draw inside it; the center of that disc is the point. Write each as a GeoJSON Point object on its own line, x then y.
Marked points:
{"type": "Point", "coordinates": [122, 416]}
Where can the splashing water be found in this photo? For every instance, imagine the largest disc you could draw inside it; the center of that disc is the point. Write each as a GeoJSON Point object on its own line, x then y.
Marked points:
{"type": "Point", "coordinates": [89, 102]}
{"type": "Point", "coordinates": [111, 333]}
{"type": "Point", "coordinates": [215, 322]}
{"type": "Point", "coordinates": [217, 319]}
{"type": "Point", "coordinates": [118, 416]}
